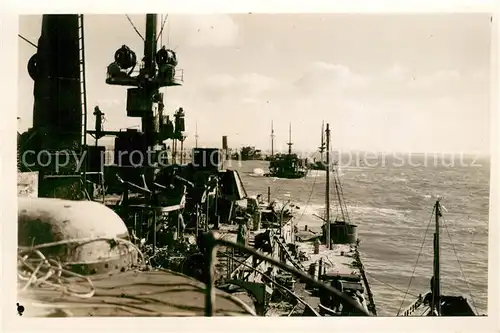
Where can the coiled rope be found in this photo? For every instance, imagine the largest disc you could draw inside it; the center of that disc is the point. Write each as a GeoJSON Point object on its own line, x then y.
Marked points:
{"type": "Point", "coordinates": [42, 271]}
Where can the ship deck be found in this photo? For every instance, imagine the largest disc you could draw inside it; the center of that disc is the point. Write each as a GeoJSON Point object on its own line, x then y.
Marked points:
{"type": "Point", "coordinates": [341, 260]}
{"type": "Point", "coordinates": [131, 293]}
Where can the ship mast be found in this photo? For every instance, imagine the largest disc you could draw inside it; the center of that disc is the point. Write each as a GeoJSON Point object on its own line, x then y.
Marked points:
{"type": "Point", "coordinates": [290, 139]}
{"type": "Point", "coordinates": [322, 147]}
{"type": "Point", "coordinates": [327, 194]}
{"type": "Point", "coordinates": [272, 139]}
{"type": "Point", "coordinates": [436, 283]}
{"type": "Point", "coordinates": [196, 136]}
{"type": "Point", "coordinates": [150, 70]}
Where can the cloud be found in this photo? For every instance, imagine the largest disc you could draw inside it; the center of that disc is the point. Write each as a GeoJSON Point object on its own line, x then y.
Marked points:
{"type": "Point", "coordinates": [251, 82]}
{"type": "Point", "coordinates": [391, 110]}
{"type": "Point", "coordinates": [397, 71]}
{"type": "Point", "coordinates": [326, 81]}
{"type": "Point", "coordinates": [247, 100]}
{"type": "Point", "coordinates": [480, 75]}
{"type": "Point", "coordinates": [243, 87]}
{"type": "Point", "coordinates": [204, 30]}
{"type": "Point", "coordinates": [323, 77]}
{"type": "Point", "coordinates": [437, 79]}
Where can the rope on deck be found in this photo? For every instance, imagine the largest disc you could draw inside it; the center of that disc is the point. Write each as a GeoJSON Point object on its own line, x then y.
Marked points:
{"type": "Point", "coordinates": [41, 271]}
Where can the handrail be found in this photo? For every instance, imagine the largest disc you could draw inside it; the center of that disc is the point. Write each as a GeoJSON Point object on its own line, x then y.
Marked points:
{"type": "Point", "coordinates": [414, 305]}
{"type": "Point", "coordinates": [237, 269]}
{"type": "Point", "coordinates": [328, 310]}
{"type": "Point", "coordinates": [288, 254]}
{"type": "Point", "coordinates": [297, 297]}
{"type": "Point", "coordinates": [212, 242]}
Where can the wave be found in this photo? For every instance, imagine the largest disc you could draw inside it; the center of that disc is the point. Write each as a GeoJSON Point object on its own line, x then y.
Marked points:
{"type": "Point", "coordinates": [257, 172]}
{"type": "Point", "coordinates": [378, 211]}
{"type": "Point", "coordinates": [392, 208]}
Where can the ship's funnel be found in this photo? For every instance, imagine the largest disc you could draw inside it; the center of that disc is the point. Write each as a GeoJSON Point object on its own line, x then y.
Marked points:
{"type": "Point", "coordinates": [225, 149]}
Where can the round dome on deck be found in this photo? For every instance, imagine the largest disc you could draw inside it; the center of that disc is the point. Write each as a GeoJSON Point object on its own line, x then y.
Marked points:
{"type": "Point", "coordinates": [86, 229]}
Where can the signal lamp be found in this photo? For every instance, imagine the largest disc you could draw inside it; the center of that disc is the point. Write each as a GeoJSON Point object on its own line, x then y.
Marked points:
{"type": "Point", "coordinates": [125, 57]}
{"type": "Point", "coordinates": [166, 57]}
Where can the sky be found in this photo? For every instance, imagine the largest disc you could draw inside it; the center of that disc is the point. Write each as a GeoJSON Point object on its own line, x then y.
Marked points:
{"type": "Point", "coordinates": [390, 83]}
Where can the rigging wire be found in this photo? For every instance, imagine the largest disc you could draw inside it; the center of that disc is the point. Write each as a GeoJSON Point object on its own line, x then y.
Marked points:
{"type": "Point", "coordinates": [279, 187]}
{"type": "Point", "coordinates": [337, 190]}
{"type": "Point", "coordinates": [389, 285]}
{"type": "Point", "coordinates": [416, 263]}
{"type": "Point", "coordinates": [338, 205]}
{"type": "Point", "coordinates": [341, 206]}
{"type": "Point", "coordinates": [27, 40]}
{"type": "Point", "coordinates": [308, 199]}
{"type": "Point", "coordinates": [336, 171]}
{"type": "Point", "coordinates": [160, 34]}
{"type": "Point", "coordinates": [460, 266]}
{"type": "Point", "coordinates": [133, 26]}
{"type": "Point", "coordinates": [183, 39]}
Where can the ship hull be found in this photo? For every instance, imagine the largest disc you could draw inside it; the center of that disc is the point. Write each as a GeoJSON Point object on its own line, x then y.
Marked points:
{"type": "Point", "coordinates": [294, 175]}
{"type": "Point", "coordinates": [451, 306]}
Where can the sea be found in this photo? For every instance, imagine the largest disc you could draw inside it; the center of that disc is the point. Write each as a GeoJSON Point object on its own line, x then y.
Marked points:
{"type": "Point", "coordinates": [391, 199]}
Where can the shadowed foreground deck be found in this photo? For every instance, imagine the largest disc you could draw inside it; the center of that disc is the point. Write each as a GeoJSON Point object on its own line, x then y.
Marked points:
{"type": "Point", "coordinates": [132, 293]}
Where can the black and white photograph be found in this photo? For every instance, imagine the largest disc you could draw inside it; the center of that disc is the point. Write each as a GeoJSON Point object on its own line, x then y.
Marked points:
{"type": "Point", "coordinates": [254, 164]}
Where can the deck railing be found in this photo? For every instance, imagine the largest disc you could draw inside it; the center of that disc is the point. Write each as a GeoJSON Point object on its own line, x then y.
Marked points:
{"type": "Point", "coordinates": [212, 243]}
{"type": "Point", "coordinates": [290, 292]}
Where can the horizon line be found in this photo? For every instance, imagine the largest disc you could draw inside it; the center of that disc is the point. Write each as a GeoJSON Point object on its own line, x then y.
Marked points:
{"type": "Point", "coordinates": [335, 150]}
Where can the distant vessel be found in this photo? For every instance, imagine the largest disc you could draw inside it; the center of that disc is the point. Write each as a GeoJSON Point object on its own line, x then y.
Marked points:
{"type": "Point", "coordinates": [157, 213]}
{"type": "Point", "coordinates": [247, 153]}
{"type": "Point", "coordinates": [287, 165]}
{"type": "Point", "coordinates": [320, 165]}
{"type": "Point", "coordinates": [434, 303]}
{"type": "Point", "coordinates": [332, 257]}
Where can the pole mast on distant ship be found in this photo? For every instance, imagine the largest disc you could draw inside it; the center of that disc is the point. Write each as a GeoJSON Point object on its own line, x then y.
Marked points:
{"type": "Point", "coordinates": [322, 147]}
{"type": "Point", "coordinates": [290, 139]}
{"type": "Point", "coordinates": [196, 136]}
{"type": "Point", "coordinates": [327, 194]}
{"type": "Point", "coordinates": [272, 139]}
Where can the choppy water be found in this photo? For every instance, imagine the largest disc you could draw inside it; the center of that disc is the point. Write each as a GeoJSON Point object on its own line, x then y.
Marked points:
{"type": "Point", "coordinates": [392, 205]}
